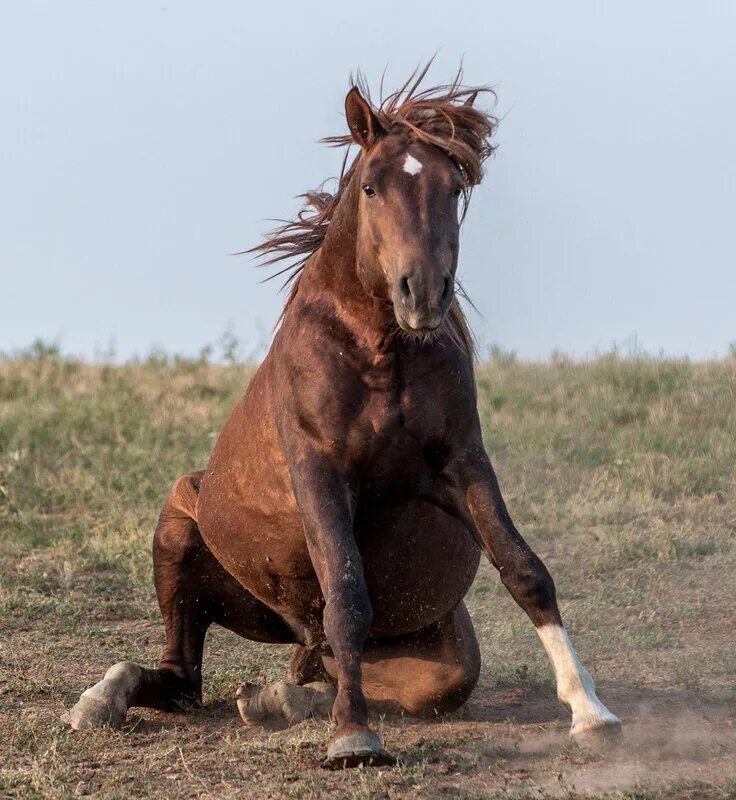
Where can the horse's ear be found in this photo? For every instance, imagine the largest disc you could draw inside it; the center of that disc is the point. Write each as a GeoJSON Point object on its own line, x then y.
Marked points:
{"type": "Point", "coordinates": [363, 123]}
{"type": "Point", "coordinates": [471, 99]}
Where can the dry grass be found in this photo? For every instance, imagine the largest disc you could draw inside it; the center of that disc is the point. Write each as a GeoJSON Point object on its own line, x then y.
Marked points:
{"type": "Point", "coordinates": [620, 472]}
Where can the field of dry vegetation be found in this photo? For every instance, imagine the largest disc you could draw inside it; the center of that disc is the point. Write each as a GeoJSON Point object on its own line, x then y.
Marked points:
{"type": "Point", "coordinates": [620, 472]}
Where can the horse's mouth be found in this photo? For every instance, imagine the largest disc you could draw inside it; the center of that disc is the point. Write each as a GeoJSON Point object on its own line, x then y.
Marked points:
{"type": "Point", "coordinates": [421, 327]}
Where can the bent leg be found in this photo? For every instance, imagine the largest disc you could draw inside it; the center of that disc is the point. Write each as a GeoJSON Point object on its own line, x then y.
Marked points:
{"type": "Point", "coordinates": [193, 591]}
{"type": "Point", "coordinates": [124, 685]}
{"type": "Point", "coordinates": [432, 671]}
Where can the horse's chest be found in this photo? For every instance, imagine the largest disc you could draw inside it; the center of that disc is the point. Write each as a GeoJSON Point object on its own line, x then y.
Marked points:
{"type": "Point", "coordinates": [402, 433]}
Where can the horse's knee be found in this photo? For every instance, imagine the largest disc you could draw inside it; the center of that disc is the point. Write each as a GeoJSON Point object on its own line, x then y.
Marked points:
{"type": "Point", "coordinates": [458, 666]}
{"type": "Point", "coordinates": [463, 685]}
{"type": "Point", "coordinates": [533, 588]}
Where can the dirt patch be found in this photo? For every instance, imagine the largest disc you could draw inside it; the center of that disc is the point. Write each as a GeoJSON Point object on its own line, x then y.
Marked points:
{"type": "Point", "coordinates": [674, 744]}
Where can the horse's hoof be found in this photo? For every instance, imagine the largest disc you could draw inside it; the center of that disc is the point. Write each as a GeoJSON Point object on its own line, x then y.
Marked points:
{"type": "Point", "coordinates": [90, 712]}
{"type": "Point", "coordinates": [362, 748]}
{"type": "Point", "coordinates": [246, 696]}
{"type": "Point", "coordinates": [596, 730]}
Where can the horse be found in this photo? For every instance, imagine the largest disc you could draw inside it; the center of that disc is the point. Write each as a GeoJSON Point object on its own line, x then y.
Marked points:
{"type": "Point", "coordinates": [349, 497]}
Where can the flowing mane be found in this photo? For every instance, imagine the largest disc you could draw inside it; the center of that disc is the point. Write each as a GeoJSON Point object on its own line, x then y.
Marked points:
{"type": "Point", "coordinates": [443, 116]}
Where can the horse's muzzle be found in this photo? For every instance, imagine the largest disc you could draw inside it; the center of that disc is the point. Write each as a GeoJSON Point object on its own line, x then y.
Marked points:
{"type": "Point", "coordinates": [421, 302]}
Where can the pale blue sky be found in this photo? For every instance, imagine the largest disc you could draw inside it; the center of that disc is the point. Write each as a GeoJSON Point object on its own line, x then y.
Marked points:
{"type": "Point", "coordinates": [142, 142]}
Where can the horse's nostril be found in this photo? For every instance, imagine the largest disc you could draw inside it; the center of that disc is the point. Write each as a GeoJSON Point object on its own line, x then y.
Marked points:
{"type": "Point", "coordinates": [404, 287]}
{"type": "Point", "coordinates": [446, 289]}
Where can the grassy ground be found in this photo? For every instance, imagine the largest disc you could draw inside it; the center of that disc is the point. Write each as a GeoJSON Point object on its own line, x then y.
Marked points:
{"type": "Point", "coordinates": [619, 472]}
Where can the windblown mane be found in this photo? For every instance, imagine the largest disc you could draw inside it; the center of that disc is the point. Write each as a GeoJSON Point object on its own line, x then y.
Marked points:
{"type": "Point", "coordinates": [442, 116]}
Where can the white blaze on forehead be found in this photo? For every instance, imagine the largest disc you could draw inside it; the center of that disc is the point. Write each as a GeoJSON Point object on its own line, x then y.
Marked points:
{"type": "Point", "coordinates": [411, 165]}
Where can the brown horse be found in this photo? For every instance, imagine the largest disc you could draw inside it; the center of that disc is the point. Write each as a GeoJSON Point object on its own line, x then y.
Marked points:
{"type": "Point", "coordinates": [349, 495]}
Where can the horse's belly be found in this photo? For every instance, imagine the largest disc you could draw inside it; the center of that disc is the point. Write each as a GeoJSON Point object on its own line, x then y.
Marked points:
{"type": "Point", "coordinates": [419, 563]}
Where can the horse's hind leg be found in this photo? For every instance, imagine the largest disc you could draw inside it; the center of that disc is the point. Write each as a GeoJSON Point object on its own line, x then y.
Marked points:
{"type": "Point", "coordinates": [177, 682]}
{"type": "Point", "coordinates": [429, 672]}
{"type": "Point", "coordinates": [193, 591]}
{"type": "Point", "coordinates": [311, 693]}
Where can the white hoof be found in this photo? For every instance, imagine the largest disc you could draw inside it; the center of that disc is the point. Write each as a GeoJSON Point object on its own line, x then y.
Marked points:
{"type": "Point", "coordinates": [105, 704]}
{"type": "Point", "coordinates": [91, 712]}
{"type": "Point", "coordinates": [284, 703]}
{"type": "Point", "coordinates": [595, 726]}
{"type": "Point", "coordinates": [575, 688]}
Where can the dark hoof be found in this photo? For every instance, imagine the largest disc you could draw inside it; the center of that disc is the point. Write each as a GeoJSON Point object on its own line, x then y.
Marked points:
{"type": "Point", "coordinates": [361, 748]}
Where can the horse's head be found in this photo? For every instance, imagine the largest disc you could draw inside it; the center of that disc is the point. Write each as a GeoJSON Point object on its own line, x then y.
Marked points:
{"type": "Point", "coordinates": [408, 219]}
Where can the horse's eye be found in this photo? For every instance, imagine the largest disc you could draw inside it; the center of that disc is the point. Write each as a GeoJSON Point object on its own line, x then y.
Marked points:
{"type": "Point", "coordinates": [369, 190]}
{"type": "Point", "coordinates": [457, 191]}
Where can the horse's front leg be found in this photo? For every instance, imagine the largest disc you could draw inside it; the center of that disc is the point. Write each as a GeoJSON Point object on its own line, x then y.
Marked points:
{"type": "Point", "coordinates": [532, 587]}
{"type": "Point", "coordinates": [326, 504]}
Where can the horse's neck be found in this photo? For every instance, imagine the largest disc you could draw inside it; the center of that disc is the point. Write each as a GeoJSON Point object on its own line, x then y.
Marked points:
{"type": "Point", "coordinates": [333, 267]}
{"type": "Point", "coordinates": [332, 272]}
